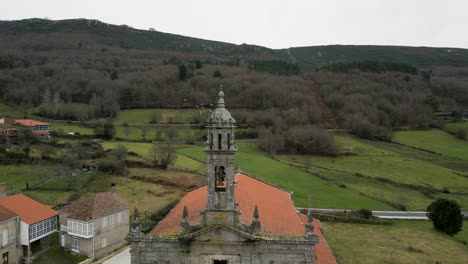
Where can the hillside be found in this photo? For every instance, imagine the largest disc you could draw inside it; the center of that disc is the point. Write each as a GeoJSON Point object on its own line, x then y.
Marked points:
{"type": "Point", "coordinates": [130, 38]}
{"type": "Point", "coordinates": [85, 69]}
{"type": "Point", "coordinates": [422, 57]}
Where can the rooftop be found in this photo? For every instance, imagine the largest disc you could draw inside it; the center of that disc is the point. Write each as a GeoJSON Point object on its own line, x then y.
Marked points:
{"type": "Point", "coordinates": [277, 213]}
{"type": "Point", "coordinates": [276, 210]}
{"type": "Point", "coordinates": [6, 214]}
{"type": "Point", "coordinates": [30, 122]}
{"type": "Point", "coordinates": [95, 206]}
{"type": "Point", "coordinates": [29, 210]}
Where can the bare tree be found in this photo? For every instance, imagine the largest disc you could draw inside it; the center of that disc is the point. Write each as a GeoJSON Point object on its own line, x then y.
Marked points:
{"type": "Point", "coordinates": [161, 156]}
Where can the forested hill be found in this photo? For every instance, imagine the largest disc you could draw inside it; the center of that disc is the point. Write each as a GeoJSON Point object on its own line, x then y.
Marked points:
{"type": "Point", "coordinates": [85, 69]}
{"type": "Point", "coordinates": [423, 57]}
{"type": "Point", "coordinates": [307, 57]}
{"type": "Point", "coordinates": [124, 36]}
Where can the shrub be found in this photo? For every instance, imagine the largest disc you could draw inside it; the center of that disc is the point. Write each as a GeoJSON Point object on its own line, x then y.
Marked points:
{"type": "Point", "coordinates": [446, 216]}
{"type": "Point", "coordinates": [112, 167]}
{"type": "Point", "coordinates": [364, 213]}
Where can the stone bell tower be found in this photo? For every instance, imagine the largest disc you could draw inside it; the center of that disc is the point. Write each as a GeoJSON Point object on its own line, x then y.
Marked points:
{"type": "Point", "coordinates": [220, 149]}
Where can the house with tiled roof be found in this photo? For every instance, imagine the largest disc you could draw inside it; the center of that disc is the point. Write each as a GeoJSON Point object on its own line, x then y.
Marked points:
{"type": "Point", "coordinates": [9, 127]}
{"type": "Point", "coordinates": [37, 222]}
{"type": "Point", "coordinates": [235, 218]}
{"type": "Point", "coordinates": [95, 226]}
{"type": "Point", "coordinates": [9, 236]}
{"type": "Point", "coordinates": [38, 128]}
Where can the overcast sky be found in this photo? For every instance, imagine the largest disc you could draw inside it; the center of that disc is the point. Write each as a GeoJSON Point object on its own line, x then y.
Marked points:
{"type": "Point", "coordinates": [273, 23]}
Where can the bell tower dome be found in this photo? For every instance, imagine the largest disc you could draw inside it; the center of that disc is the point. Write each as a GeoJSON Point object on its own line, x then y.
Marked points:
{"type": "Point", "coordinates": [220, 149]}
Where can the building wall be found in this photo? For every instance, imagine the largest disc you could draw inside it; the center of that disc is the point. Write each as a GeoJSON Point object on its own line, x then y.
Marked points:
{"type": "Point", "coordinates": [113, 233]}
{"type": "Point", "coordinates": [12, 246]}
{"type": "Point", "coordinates": [260, 252]}
{"type": "Point", "coordinates": [24, 233]}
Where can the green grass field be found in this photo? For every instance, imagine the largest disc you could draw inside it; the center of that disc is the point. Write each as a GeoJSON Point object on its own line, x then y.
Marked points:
{"type": "Point", "coordinates": [16, 176]}
{"type": "Point", "coordinates": [182, 162]}
{"type": "Point", "coordinates": [434, 140]}
{"type": "Point", "coordinates": [7, 110]}
{"type": "Point", "coordinates": [144, 116]}
{"type": "Point", "coordinates": [304, 185]}
{"type": "Point", "coordinates": [375, 162]}
{"type": "Point", "coordinates": [65, 127]}
{"type": "Point", "coordinates": [402, 242]}
{"type": "Point", "coordinates": [369, 164]}
{"type": "Point", "coordinates": [457, 124]}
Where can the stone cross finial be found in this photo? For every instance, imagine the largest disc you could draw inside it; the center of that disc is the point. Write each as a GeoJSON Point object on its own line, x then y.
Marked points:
{"type": "Point", "coordinates": [184, 224]}
{"type": "Point", "coordinates": [255, 226]}
{"type": "Point", "coordinates": [309, 227]}
{"type": "Point", "coordinates": [221, 97]}
{"type": "Point", "coordinates": [136, 225]}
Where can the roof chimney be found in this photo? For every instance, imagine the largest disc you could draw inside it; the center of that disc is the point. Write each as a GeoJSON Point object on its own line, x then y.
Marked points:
{"type": "Point", "coordinates": [112, 187]}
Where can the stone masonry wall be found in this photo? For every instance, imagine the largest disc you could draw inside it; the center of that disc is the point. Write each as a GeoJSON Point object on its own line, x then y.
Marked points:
{"type": "Point", "coordinates": [261, 252]}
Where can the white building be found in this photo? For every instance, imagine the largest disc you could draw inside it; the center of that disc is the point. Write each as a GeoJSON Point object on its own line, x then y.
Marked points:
{"type": "Point", "coordinates": [37, 221]}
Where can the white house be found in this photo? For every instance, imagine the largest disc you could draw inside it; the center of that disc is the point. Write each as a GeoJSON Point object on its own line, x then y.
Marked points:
{"type": "Point", "coordinates": [37, 221]}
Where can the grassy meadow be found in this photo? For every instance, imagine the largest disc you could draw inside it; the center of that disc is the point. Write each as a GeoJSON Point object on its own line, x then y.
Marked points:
{"type": "Point", "coordinates": [404, 177]}
{"type": "Point", "coordinates": [304, 185]}
{"type": "Point", "coordinates": [144, 116]}
{"type": "Point", "coordinates": [434, 140]}
{"type": "Point", "coordinates": [402, 242]}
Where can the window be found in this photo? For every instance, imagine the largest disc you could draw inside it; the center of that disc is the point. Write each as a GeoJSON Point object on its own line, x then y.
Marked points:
{"type": "Point", "coordinates": [104, 242]}
{"type": "Point", "coordinates": [211, 140]}
{"type": "Point", "coordinates": [5, 236]}
{"type": "Point", "coordinates": [229, 140]}
{"type": "Point", "coordinates": [42, 228]}
{"type": "Point", "coordinates": [75, 244]}
{"type": "Point", "coordinates": [104, 221]}
{"type": "Point", "coordinates": [80, 228]}
{"type": "Point", "coordinates": [111, 219]}
{"type": "Point", "coordinates": [219, 140]}
{"type": "Point", "coordinates": [119, 217]}
{"type": "Point", "coordinates": [216, 261]}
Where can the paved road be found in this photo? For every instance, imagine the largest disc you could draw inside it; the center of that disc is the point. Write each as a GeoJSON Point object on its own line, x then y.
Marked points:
{"type": "Point", "coordinates": [400, 214]}
{"type": "Point", "coordinates": [121, 258]}
{"type": "Point", "coordinates": [416, 215]}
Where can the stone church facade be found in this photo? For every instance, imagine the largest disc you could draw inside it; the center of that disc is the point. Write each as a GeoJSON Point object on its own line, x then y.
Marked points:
{"type": "Point", "coordinates": [234, 219]}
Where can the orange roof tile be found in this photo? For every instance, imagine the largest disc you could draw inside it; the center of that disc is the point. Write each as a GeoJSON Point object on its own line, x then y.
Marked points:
{"type": "Point", "coordinates": [30, 122]}
{"type": "Point", "coordinates": [277, 213]}
{"type": "Point", "coordinates": [95, 206]}
{"type": "Point", "coordinates": [28, 210]}
{"type": "Point", "coordinates": [276, 209]}
{"type": "Point", "coordinates": [6, 214]}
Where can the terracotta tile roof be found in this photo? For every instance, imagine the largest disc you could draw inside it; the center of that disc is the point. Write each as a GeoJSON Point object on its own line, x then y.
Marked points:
{"type": "Point", "coordinates": [278, 216]}
{"type": "Point", "coordinates": [28, 210]}
{"type": "Point", "coordinates": [6, 214]}
{"type": "Point", "coordinates": [323, 253]}
{"type": "Point", "coordinates": [30, 122]}
{"type": "Point", "coordinates": [95, 206]}
{"type": "Point", "coordinates": [276, 209]}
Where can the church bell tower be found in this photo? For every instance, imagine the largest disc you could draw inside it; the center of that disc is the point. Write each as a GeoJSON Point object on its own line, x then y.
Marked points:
{"type": "Point", "coordinates": [220, 149]}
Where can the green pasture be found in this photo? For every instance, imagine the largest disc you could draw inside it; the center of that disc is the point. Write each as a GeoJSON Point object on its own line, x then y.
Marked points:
{"type": "Point", "coordinates": [16, 176]}
{"type": "Point", "coordinates": [366, 168]}
{"type": "Point", "coordinates": [457, 124]}
{"type": "Point", "coordinates": [66, 127]}
{"type": "Point", "coordinates": [434, 140]}
{"type": "Point", "coordinates": [142, 149]}
{"type": "Point", "coordinates": [11, 111]}
{"type": "Point", "coordinates": [144, 116]}
{"type": "Point", "coordinates": [304, 185]}
{"type": "Point", "coordinates": [402, 242]}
